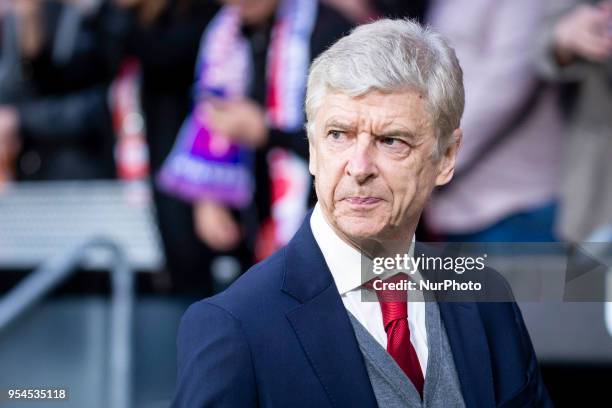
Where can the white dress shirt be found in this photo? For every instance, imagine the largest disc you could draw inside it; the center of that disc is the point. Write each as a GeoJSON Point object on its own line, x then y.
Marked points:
{"type": "Point", "coordinates": [344, 262]}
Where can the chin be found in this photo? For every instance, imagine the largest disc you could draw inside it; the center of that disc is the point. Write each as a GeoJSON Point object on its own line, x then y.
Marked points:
{"type": "Point", "coordinates": [360, 228]}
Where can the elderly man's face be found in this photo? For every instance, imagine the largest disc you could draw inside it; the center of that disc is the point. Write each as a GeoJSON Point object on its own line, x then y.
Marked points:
{"type": "Point", "coordinates": [373, 158]}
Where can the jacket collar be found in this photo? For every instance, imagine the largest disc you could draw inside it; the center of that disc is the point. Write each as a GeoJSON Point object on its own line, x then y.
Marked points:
{"type": "Point", "coordinates": [322, 325]}
{"type": "Point", "coordinates": [306, 273]}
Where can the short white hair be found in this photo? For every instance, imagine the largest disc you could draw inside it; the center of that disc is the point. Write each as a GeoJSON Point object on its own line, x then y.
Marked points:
{"type": "Point", "coordinates": [390, 56]}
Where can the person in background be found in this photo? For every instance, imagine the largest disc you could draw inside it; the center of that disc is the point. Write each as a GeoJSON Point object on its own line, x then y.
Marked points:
{"type": "Point", "coordinates": [164, 37]}
{"type": "Point", "coordinates": [246, 120]}
{"type": "Point", "coordinates": [364, 11]}
{"type": "Point", "coordinates": [574, 48]}
{"type": "Point", "coordinates": [54, 119]}
{"type": "Point", "coordinates": [506, 182]}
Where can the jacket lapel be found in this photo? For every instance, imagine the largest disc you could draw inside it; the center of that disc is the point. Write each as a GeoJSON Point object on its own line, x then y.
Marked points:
{"type": "Point", "coordinates": [467, 339]}
{"type": "Point", "coordinates": [322, 325]}
{"type": "Point", "coordinates": [468, 343]}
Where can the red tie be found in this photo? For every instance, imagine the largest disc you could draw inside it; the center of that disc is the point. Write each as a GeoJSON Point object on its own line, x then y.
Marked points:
{"type": "Point", "coordinates": [393, 304]}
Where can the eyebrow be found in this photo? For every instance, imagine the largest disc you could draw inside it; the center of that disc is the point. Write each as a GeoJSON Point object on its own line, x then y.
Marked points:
{"type": "Point", "coordinates": [348, 126]}
{"type": "Point", "coordinates": [340, 124]}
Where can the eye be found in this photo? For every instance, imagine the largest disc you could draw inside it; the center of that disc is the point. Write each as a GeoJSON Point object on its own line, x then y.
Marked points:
{"type": "Point", "coordinates": [393, 142]}
{"type": "Point", "coordinates": [394, 145]}
{"type": "Point", "coordinates": [336, 134]}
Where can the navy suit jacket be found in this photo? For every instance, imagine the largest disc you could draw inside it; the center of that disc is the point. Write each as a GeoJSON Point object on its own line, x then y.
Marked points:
{"type": "Point", "coordinates": [280, 336]}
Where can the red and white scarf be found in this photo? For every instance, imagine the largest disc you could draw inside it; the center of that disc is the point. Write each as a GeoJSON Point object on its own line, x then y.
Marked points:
{"type": "Point", "coordinates": [204, 165]}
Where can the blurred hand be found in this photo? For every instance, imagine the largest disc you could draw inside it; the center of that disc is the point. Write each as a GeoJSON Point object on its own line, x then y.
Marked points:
{"type": "Point", "coordinates": [31, 21]}
{"type": "Point", "coordinates": [26, 7]}
{"type": "Point", "coordinates": [358, 11]}
{"type": "Point", "coordinates": [585, 32]}
{"type": "Point", "coordinates": [243, 121]}
{"type": "Point", "coordinates": [9, 142]}
{"type": "Point", "coordinates": [215, 226]}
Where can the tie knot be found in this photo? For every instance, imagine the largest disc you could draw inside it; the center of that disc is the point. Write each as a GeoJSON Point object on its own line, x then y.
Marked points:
{"type": "Point", "coordinates": [392, 295]}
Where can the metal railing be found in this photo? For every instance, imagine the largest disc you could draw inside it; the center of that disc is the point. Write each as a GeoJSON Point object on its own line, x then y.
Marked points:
{"type": "Point", "coordinates": [41, 282]}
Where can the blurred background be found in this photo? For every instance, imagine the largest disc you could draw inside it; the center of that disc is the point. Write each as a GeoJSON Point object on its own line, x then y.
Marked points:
{"type": "Point", "coordinates": [114, 218]}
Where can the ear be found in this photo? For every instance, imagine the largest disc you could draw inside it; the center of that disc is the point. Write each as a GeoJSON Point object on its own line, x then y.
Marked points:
{"type": "Point", "coordinates": [312, 156]}
{"type": "Point", "coordinates": [446, 166]}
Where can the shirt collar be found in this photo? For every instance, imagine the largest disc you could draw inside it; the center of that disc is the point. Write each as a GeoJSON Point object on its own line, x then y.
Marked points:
{"type": "Point", "coordinates": [343, 261]}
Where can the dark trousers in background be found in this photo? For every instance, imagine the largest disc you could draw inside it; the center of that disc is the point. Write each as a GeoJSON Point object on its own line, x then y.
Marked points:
{"type": "Point", "coordinates": [535, 225]}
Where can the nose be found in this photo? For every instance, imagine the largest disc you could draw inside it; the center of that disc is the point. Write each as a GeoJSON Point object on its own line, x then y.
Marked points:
{"type": "Point", "coordinates": [361, 165]}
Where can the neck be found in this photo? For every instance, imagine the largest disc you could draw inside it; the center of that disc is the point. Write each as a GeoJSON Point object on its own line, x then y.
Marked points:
{"type": "Point", "coordinates": [373, 247]}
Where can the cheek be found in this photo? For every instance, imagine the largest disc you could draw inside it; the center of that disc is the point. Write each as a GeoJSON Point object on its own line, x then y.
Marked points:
{"type": "Point", "coordinates": [323, 189]}
{"type": "Point", "coordinates": [410, 184]}
{"type": "Point", "coordinates": [326, 181]}
{"type": "Point", "coordinates": [422, 186]}
{"type": "Point", "coordinates": [329, 167]}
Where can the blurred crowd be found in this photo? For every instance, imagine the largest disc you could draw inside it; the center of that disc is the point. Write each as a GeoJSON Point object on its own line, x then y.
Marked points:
{"type": "Point", "coordinates": [135, 89]}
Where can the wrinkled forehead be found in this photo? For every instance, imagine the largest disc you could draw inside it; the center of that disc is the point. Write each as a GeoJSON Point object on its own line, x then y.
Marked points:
{"type": "Point", "coordinates": [375, 111]}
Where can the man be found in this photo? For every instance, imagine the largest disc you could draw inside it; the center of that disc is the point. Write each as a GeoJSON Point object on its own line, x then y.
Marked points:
{"type": "Point", "coordinates": [383, 107]}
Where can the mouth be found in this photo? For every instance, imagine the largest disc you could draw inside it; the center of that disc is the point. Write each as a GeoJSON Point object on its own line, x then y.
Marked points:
{"type": "Point", "coordinates": [362, 202]}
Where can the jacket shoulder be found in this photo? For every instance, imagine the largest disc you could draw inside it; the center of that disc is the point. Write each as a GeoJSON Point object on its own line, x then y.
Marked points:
{"type": "Point", "coordinates": [213, 359]}
{"type": "Point", "coordinates": [258, 287]}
